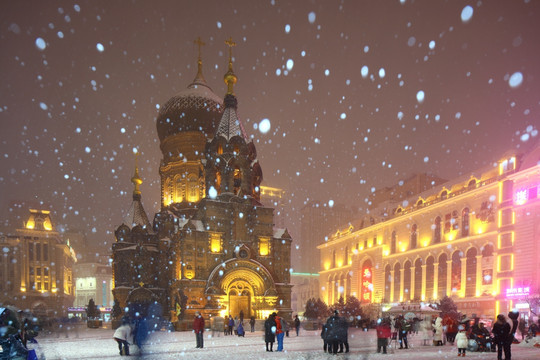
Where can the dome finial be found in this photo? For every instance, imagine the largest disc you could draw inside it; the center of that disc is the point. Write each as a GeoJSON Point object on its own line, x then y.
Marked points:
{"type": "Point", "coordinates": [136, 180]}
{"type": "Point", "coordinates": [199, 76]}
{"type": "Point", "coordinates": [230, 77]}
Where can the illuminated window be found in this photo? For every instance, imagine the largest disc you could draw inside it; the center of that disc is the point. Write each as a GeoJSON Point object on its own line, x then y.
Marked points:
{"type": "Point", "coordinates": [507, 165]}
{"type": "Point", "coordinates": [220, 149]}
{"type": "Point", "coordinates": [264, 246]}
{"type": "Point", "coordinates": [179, 190]}
{"type": "Point", "coordinates": [218, 181]}
{"type": "Point", "coordinates": [237, 180]}
{"type": "Point", "coordinates": [465, 222]}
{"type": "Point", "coordinates": [216, 243]}
{"type": "Point", "coordinates": [193, 188]}
{"type": "Point", "coordinates": [444, 195]}
{"type": "Point", "coordinates": [414, 236]}
{"type": "Point", "coordinates": [437, 230]}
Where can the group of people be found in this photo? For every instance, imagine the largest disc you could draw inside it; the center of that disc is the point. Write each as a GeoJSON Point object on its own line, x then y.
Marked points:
{"type": "Point", "coordinates": [335, 334]}
{"type": "Point", "coordinates": [137, 330]}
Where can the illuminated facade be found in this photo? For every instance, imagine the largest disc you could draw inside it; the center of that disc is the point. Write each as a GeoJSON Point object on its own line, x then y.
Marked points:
{"type": "Point", "coordinates": [475, 239]}
{"type": "Point", "coordinates": [93, 281]}
{"type": "Point", "coordinates": [213, 247]}
{"type": "Point", "coordinates": [36, 267]}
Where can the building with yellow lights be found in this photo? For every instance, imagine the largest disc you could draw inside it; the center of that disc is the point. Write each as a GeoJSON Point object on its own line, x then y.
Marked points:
{"type": "Point", "coordinates": [36, 267]}
{"type": "Point", "coordinates": [213, 247]}
{"type": "Point", "coordinates": [475, 238]}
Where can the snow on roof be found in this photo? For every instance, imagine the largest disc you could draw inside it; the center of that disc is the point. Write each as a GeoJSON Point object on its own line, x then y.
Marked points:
{"type": "Point", "coordinates": [278, 233]}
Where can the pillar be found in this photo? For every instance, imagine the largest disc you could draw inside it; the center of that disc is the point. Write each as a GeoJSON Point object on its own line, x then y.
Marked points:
{"type": "Point", "coordinates": [449, 277]}
{"type": "Point", "coordinates": [478, 291]}
{"type": "Point", "coordinates": [463, 277]}
{"type": "Point", "coordinates": [435, 280]}
{"type": "Point", "coordinates": [413, 278]}
{"type": "Point", "coordinates": [424, 276]}
{"type": "Point", "coordinates": [391, 285]}
{"type": "Point", "coordinates": [401, 283]}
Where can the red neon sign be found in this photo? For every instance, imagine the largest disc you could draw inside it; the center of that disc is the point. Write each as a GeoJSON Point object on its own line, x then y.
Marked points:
{"type": "Point", "coordinates": [367, 284]}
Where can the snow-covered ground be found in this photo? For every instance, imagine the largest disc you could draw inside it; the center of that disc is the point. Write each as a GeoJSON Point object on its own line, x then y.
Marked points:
{"type": "Point", "coordinates": [98, 344]}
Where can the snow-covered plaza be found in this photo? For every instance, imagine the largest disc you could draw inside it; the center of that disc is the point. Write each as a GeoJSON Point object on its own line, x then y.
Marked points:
{"type": "Point", "coordinates": [99, 344]}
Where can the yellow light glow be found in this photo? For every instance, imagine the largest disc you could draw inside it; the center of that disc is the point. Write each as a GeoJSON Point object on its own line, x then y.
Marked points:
{"type": "Point", "coordinates": [30, 224]}
{"type": "Point", "coordinates": [361, 247]}
{"type": "Point", "coordinates": [403, 248]}
{"type": "Point", "coordinates": [512, 262]}
{"type": "Point", "coordinates": [23, 289]}
{"type": "Point", "coordinates": [215, 243]}
{"type": "Point", "coordinates": [497, 307]}
{"type": "Point", "coordinates": [379, 241]}
{"type": "Point", "coordinates": [326, 265]}
{"type": "Point", "coordinates": [451, 235]}
{"type": "Point", "coordinates": [340, 263]}
{"type": "Point", "coordinates": [370, 244]}
{"type": "Point", "coordinates": [513, 217]}
{"type": "Point", "coordinates": [54, 290]}
{"type": "Point", "coordinates": [480, 227]}
{"type": "Point", "coordinates": [423, 297]}
{"type": "Point", "coordinates": [477, 293]}
{"type": "Point", "coordinates": [350, 262]}
{"type": "Point", "coordinates": [264, 246]}
{"type": "Point", "coordinates": [386, 252]}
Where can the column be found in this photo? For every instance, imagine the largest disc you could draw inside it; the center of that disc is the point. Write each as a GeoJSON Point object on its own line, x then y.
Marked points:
{"type": "Point", "coordinates": [435, 280]}
{"type": "Point", "coordinates": [448, 277]}
{"type": "Point", "coordinates": [391, 285]}
{"type": "Point", "coordinates": [478, 290]}
{"type": "Point", "coordinates": [413, 279]}
{"type": "Point", "coordinates": [401, 283]}
{"type": "Point", "coordinates": [494, 286]}
{"type": "Point", "coordinates": [424, 275]}
{"type": "Point", "coordinates": [463, 277]}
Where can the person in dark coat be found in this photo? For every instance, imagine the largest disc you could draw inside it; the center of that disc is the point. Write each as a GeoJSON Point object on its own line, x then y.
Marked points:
{"type": "Point", "coordinates": [140, 332]}
{"type": "Point", "coordinates": [324, 334]}
{"type": "Point", "coordinates": [270, 331]}
{"type": "Point", "coordinates": [296, 324]}
{"type": "Point", "coordinates": [343, 335]}
{"type": "Point", "coordinates": [333, 333]}
{"type": "Point", "coordinates": [502, 335]}
{"type": "Point", "coordinates": [198, 328]}
{"type": "Point", "coordinates": [252, 323]}
{"type": "Point", "coordinates": [240, 329]}
{"type": "Point", "coordinates": [231, 325]}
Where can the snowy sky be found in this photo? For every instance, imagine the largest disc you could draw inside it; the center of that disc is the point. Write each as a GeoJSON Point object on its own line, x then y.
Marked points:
{"type": "Point", "coordinates": [359, 94]}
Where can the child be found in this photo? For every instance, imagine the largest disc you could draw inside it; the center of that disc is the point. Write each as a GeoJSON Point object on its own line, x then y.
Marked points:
{"type": "Point", "coordinates": [462, 341]}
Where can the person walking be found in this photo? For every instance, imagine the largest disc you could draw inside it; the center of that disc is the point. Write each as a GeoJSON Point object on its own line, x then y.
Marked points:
{"type": "Point", "coordinates": [403, 329]}
{"type": "Point", "coordinates": [501, 334]}
{"type": "Point", "coordinates": [296, 324]}
{"type": "Point", "coordinates": [270, 331]}
{"type": "Point", "coordinates": [198, 329]}
{"type": "Point", "coordinates": [121, 336]}
{"type": "Point", "coordinates": [252, 323]}
{"type": "Point", "coordinates": [462, 341]}
{"type": "Point", "coordinates": [384, 332]}
{"type": "Point", "coordinates": [280, 333]}
{"type": "Point", "coordinates": [140, 332]}
{"type": "Point", "coordinates": [324, 335]}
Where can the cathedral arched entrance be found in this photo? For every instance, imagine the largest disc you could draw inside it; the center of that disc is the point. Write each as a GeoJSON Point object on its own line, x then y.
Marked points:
{"type": "Point", "coordinates": [239, 295]}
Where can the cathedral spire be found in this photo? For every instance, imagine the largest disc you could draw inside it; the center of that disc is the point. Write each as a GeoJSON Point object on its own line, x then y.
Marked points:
{"type": "Point", "coordinates": [230, 77]}
{"type": "Point", "coordinates": [199, 78]}
{"type": "Point", "coordinates": [136, 180]}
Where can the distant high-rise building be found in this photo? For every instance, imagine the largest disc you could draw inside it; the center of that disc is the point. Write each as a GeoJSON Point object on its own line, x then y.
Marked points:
{"type": "Point", "coordinates": [36, 267]}
{"type": "Point", "coordinates": [318, 220]}
{"type": "Point", "coordinates": [275, 198]}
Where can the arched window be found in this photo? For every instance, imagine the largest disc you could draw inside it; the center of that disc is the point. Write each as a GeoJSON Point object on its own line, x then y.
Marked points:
{"type": "Point", "coordinates": [193, 188]}
{"type": "Point", "coordinates": [442, 278]}
{"type": "Point", "coordinates": [437, 230]}
{"type": "Point", "coordinates": [179, 190]}
{"type": "Point", "coordinates": [420, 203]}
{"type": "Point", "coordinates": [444, 195]}
{"type": "Point", "coordinates": [218, 181]}
{"type": "Point", "coordinates": [346, 253]}
{"type": "Point", "coordinates": [397, 282]}
{"type": "Point", "coordinates": [414, 236]}
{"type": "Point", "coordinates": [237, 180]}
{"type": "Point", "coordinates": [393, 243]}
{"type": "Point", "coordinates": [387, 283]}
{"type": "Point", "coordinates": [220, 149]}
{"type": "Point", "coordinates": [430, 277]}
{"type": "Point", "coordinates": [407, 281]}
{"type": "Point", "coordinates": [456, 271]}
{"type": "Point", "coordinates": [487, 250]}
{"type": "Point", "coordinates": [465, 222]}
{"type": "Point", "coordinates": [470, 287]}
{"type": "Point", "coordinates": [418, 279]}
{"type": "Point", "coordinates": [472, 183]}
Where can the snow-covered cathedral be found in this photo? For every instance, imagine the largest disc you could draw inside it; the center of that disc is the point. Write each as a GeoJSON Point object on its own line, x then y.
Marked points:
{"type": "Point", "coordinates": [213, 247]}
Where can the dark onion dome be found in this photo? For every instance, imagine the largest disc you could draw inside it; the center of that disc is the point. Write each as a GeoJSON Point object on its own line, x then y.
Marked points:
{"type": "Point", "coordinates": [197, 108]}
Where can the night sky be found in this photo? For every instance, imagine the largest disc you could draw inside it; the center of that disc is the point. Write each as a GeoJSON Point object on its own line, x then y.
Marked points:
{"type": "Point", "coordinates": [339, 81]}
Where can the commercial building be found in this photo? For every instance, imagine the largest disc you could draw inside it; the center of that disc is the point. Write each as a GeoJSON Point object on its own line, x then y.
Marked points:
{"type": "Point", "coordinates": [475, 238]}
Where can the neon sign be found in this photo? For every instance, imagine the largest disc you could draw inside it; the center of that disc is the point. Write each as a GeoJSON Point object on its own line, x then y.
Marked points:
{"type": "Point", "coordinates": [518, 292]}
{"type": "Point", "coordinates": [367, 285]}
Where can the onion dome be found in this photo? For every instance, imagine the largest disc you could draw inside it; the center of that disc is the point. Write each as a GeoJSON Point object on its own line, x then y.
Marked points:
{"type": "Point", "coordinates": [197, 108]}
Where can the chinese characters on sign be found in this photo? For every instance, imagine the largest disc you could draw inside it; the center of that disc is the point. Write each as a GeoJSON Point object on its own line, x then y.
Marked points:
{"type": "Point", "coordinates": [367, 285]}
{"type": "Point", "coordinates": [518, 292]}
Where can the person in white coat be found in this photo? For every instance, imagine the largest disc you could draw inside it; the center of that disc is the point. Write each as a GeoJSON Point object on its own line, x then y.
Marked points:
{"type": "Point", "coordinates": [439, 334]}
{"type": "Point", "coordinates": [462, 341]}
{"type": "Point", "coordinates": [121, 336]}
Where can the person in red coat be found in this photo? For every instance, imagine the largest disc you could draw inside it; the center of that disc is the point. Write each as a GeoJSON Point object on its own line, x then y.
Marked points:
{"type": "Point", "coordinates": [198, 328]}
{"type": "Point", "coordinates": [384, 332]}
